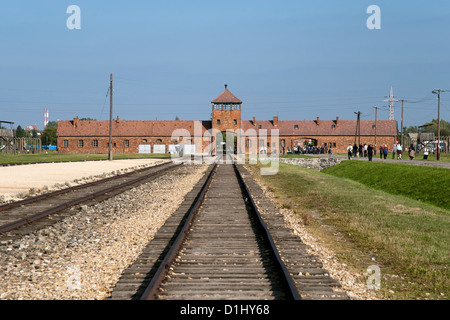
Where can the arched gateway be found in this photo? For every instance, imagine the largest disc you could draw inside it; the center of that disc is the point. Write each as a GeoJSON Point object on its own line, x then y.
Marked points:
{"type": "Point", "coordinates": [226, 120]}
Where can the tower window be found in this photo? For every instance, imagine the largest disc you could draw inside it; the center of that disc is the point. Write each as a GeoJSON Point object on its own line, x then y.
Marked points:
{"type": "Point", "coordinates": [234, 121]}
{"type": "Point", "coordinates": [218, 121]}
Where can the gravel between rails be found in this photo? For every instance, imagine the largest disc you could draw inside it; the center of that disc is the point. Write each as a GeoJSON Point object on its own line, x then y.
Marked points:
{"type": "Point", "coordinates": [354, 283]}
{"type": "Point", "coordinates": [82, 256]}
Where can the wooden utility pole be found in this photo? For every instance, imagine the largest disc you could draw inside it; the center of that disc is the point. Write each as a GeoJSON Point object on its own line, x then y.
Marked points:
{"type": "Point", "coordinates": [401, 141]}
{"type": "Point", "coordinates": [376, 111]}
{"type": "Point", "coordinates": [358, 128]}
{"type": "Point", "coordinates": [438, 92]}
{"type": "Point", "coordinates": [110, 153]}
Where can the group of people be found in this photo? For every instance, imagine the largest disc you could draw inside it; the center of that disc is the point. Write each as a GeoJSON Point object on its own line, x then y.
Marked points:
{"type": "Point", "coordinates": [369, 150]}
{"type": "Point", "coordinates": [309, 150]}
{"type": "Point", "coordinates": [366, 151]}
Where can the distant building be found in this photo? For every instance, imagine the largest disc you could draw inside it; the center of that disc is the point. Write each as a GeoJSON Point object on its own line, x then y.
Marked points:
{"type": "Point", "coordinates": [205, 136]}
{"type": "Point", "coordinates": [31, 127]}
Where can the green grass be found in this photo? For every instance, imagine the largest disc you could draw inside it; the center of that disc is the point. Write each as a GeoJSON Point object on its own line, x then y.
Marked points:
{"type": "Point", "coordinates": [296, 156]}
{"type": "Point", "coordinates": [408, 239]}
{"type": "Point", "coordinates": [52, 156]}
{"type": "Point", "coordinates": [427, 184]}
{"type": "Point", "coordinates": [445, 157]}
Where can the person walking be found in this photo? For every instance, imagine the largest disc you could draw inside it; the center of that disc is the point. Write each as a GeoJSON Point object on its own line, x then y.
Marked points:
{"type": "Point", "coordinates": [385, 151]}
{"type": "Point", "coordinates": [399, 151]}
{"type": "Point", "coordinates": [381, 152]}
{"type": "Point", "coordinates": [370, 151]}
{"type": "Point", "coordinates": [411, 153]}
{"type": "Point", "coordinates": [350, 151]}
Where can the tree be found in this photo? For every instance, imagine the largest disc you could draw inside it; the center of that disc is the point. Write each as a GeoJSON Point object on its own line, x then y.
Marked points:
{"type": "Point", "coordinates": [34, 133]}
{"type": "Point", "coordinates": [52, 124]}
{"type": "Point", "coordinates": [48, 136]}
{"type": "Point", "coordinates": [21, 133]}
{"type": "Point", "coordinates": [445, 127]}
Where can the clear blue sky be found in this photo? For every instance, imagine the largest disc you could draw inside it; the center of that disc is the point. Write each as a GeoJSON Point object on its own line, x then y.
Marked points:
{"type": "Point", "coordinates": [295, 59]}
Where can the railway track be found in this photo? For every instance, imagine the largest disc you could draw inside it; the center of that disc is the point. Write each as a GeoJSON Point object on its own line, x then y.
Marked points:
{"type": "Point", "coordinates": [217, 246]}
{"type": "Point", "coordinates": [21, 217]}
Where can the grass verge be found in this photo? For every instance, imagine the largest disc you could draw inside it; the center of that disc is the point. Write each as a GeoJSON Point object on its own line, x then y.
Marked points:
{"type": "Point", "coordinates": [426, 184]}
{"type": "Point", "coordinates": [408, 239]}
{"type": "Point", "coordinates": [65, 157]}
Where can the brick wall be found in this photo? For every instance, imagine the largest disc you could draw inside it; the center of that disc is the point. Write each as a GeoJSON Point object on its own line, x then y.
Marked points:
{"type": "Point", "coordinates": [339, 143]}
{"type": "Point", "coordinates": [123, 144]}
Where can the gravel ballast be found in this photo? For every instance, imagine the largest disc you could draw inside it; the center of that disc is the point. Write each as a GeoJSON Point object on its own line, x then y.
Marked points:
{"type": "Point", "coordinates": [82, 256]}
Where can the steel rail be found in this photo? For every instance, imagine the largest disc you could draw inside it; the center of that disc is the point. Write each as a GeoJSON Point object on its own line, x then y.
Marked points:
{"type": "Point", "coordinates": [154, 285]}
{"type": "Point", "coordinates": [74, 188]}
{"type": "Point", "coordinates": [287, 278]}
{"type": "Point", "coordinates": [30, 219]}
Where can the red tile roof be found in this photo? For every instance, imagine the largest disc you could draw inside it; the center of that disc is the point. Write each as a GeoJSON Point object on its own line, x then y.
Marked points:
{"type": "Point", "coordinates": [325, 127]}
{"type": "Point", "coordinates": [226, 97]}
{"type": "Point", "coordinates": [127, 128]}
{"type": "Point", "coordinates": [167, 127]}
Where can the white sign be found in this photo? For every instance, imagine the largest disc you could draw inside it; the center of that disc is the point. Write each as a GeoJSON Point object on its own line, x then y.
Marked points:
{"type": "Point", "coordinates": [189, 149]}
{"type": "Point", "coordinates": [145, 148]}
{"type": "Point", "coordinates": [159, 148]}
{"type": "Point", "coordinates": [174, 148]}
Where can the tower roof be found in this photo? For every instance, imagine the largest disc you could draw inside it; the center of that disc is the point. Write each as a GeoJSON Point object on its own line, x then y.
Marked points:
{"type": "Point", "coordinates": [226, 97]}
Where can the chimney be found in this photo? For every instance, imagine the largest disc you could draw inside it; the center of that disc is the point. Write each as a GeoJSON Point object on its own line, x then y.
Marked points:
{"type": "Point", "coordinates": [117, 120]}
{"type": "Point", "coordinates": [254, 121]}
{"type": "Point", "coordinates": [275, 121]}
{"type": "Point", "coordinates": [317, 121]}
{"type": "Point", "coordinates": [337, 121]}
{"type": "Point", "coordinates": [75, 122]}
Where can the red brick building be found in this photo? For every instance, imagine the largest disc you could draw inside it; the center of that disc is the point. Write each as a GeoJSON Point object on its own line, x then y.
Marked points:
{"type": "Point", "coordinates": [205, 137]}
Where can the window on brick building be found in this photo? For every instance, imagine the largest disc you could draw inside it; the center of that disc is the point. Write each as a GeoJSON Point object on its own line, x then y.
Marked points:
{"type": "Point", "coordinates": [127, 143]}
{"type": "Point", "coordinates": [218, 121]}
{"type": "Point", "coordinates": [234, 121]}
{"type": "Point", "coordinates": [259, 126]}
{"type": "Point", "coordinates": [334, 144]}
{"type": "Point", "coordinates": [158, 140]}
{"type": "Point", "coordinates": [95, 143]}
{"type": "Point", "coordinates": [144, 140]}
{"type": "Point", "coordinates": [249, 143]}
{"type": "Point", "coordinates": [80, 143]}
{"type": "Point", "coordinates": [261, 142]}
{"type": "Point", "coordinates": [65, 143]}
